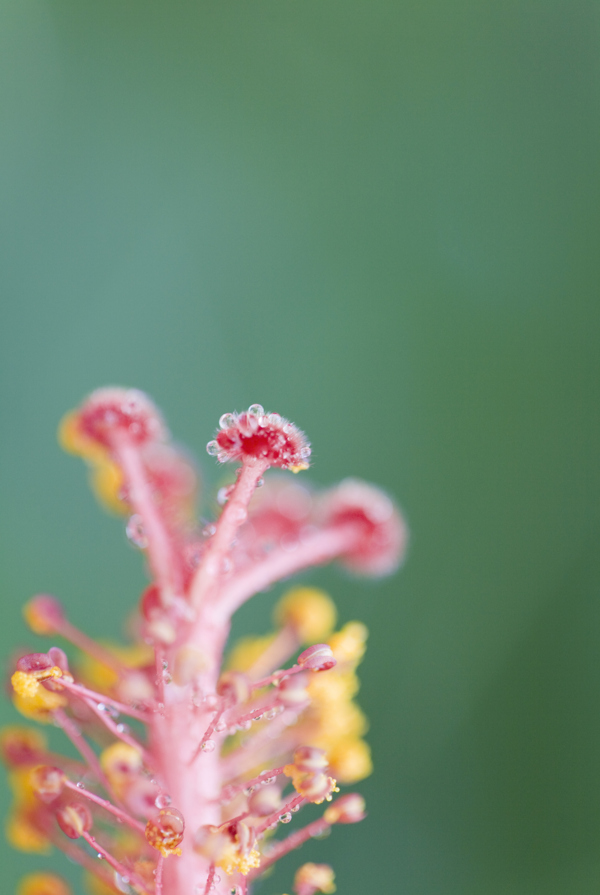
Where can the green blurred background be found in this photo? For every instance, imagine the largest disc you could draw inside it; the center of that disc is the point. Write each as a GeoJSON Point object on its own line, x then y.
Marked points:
{"type": "Point", "coordinates": [380, 219]}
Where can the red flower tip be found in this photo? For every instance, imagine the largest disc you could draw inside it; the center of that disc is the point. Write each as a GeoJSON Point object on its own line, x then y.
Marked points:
{"type": "Point", "coordinates": [382, 542]}
{"type": "Point", "coordinates": [318, 657]}
{"type": "Point", "coordinates": [35, 663]}
{"type": "Point", "coordinates": [74, 820]}
{"type": "Point", "coordinates": [256, 435]}
{"type": "Point", "coordinates": [113, 413]}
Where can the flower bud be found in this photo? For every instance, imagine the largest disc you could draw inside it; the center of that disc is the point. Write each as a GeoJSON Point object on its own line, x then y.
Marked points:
{"type": "Point", "coordinates": [312, 878]}
{"type": "Point", "coordinates": [234, 687]}
{"type": "Point", "coordinates": [58, 657]}
{"type": "Point", "coordinates": [318, 657]}
{"type": "Point", "coordinates": [21, 746]}
{"type": "Point", "coordinates": [44, 614]}
{"type": "Point", "coordinates": [47, 782]}
{"type": "Point", "coordinates": [309, 759]}
{"type": "Point", "coordinates": [264, 801]}
{"type": "Point", "coordinates": [74, 820]}
{"type": "Point", "coordinates": [349, 809]}
{"type": "Point", "coordinates": [292, 690]}
{"type": "Point", "coordinates": [211, 842]}
{"type": "Point", "coordinates": [315, 787]}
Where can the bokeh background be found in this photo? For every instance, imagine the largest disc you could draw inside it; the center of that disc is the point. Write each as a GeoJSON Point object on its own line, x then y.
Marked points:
{"type": "Point", "coordinates": [380, 218]}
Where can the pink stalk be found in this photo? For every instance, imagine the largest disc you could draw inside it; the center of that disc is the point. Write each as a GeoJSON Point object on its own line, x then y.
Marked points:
{"type": "Point", "coordinates": [120, 734]}
{"type": "Point", "coordinates": [158, 879]}
{"type": "Point", "coordinates": [116, 865]}
{"type": "Point", "coordinates": [108, 806]}
{"type": "Point", "coordinates": [209, 879]}
{"type": "Point", "coordinates": [160, 548]}
{"type": "Point", "coordinates": [73, 733]}
{"type": "Point", "coordinates": [277, 676]}
{"type": "Point", "coordinates": [295, 840]}
{"type": "Point", "coordinates": [232, 517]}
{"type": "Point", "coordinates": [159, 658]}
{"type": "Point", "coordinates": [284, 645]}
{"type": "Point", "coordinates": [318, 548]}
{"type": "Point", "coordinates": [234, 788]}
{"type": "Point", "coordinates": [207, 735]}
{"type": "Point", "coordinates": [295, 802]}
{"type": "Point", "coordinates": [87, 694]}
{"type": "Point", "coordinates": [89, 646]}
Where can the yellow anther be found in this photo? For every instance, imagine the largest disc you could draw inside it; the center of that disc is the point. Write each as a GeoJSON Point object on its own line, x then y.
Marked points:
{"type": "Point", "coordinates": [40, 705]}
{"type": "Point", "coordinates": [107, 480]}
{"type": "Point", "coordinates": [22, 835]}
{"type": "Point", "coordinates": [315, 877]}
{"type": "Point", "coordinates": [121, 763]}
{"type": "Point", "coordinates": [43, 884]}
{"type": "Point", "coordinates": [310, 612]}
{"type": "Point", "coordinates": [24, 684]}
{"type": "Point", "coordinates": [350, 760]}
{"type": "Point", "coordinates": [235, 861]}
{"type": "Point", "coordinates": [299, 468]}
{"type": "Point", "coordinates": [105, 476]}
{"type": "Point", "coordinates": [349, 644]}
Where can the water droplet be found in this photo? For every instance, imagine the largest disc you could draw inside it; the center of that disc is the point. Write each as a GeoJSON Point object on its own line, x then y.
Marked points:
{"type": "Point", "coordinates": [295, 808]}
{"type": "Point", "coordinates": [239, 514]}
{"type": "Point", "coordinates": [245, 725]}
{"type": "Point", "coordinates": [227, 420]}
{"type": "Point", "coordinates": [99, 856]}
{"type": "Point", "coordinates": [285, 818]}
{"type": "Point", "coordinates": [257, 718]}
{"type": "Point", "coordinates": [260, 483]}
{"type": "Point", "coordinates": [122, 728]}
{"type": "Point", "coordinates": [212, 448]}
{"type": "Point", "coordinates": [223, 495]}
{"type": "Point", "coordinates": [217, 877]}
{"type": "Point", "coordinates": [101, 707]}
{"type": "Point", "coordinates": [163, 800]}
{"type": "Point", "coordinates": [80, 785]}
{"type": "Point", "coordinates": [135, 531]}
{"type": "Point", "coordinates": [209, 530]}
{"type": "Point", "coordinates": [268, 780]}
{"type": "Point", "coordinates": [220, 726]}
{"type": "Point", "coordinates": [235, 890]}
{"type": "Point", "coordinates": [208, 746]}
{"type": "Point", "coordinates": [272, 713]}
{"type": "Point", "coordinates": [256, 410]}
{"type": "Point", "coordinates": [305, 452]}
